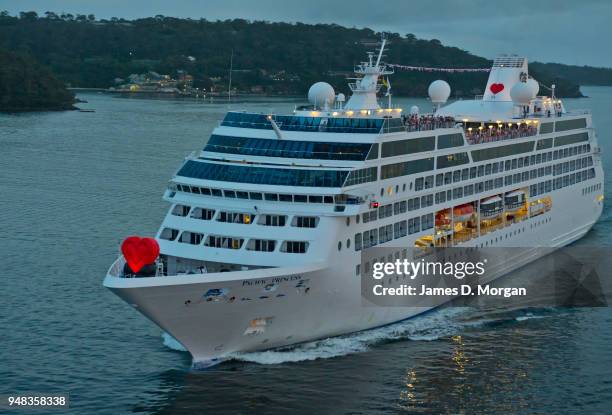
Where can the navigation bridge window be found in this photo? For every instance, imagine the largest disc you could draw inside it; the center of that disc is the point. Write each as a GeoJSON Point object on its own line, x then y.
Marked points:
{"type": "Point", "coordinates": [263, 245]}
{"type": "Point", "coordinates": [203, 214]}
{"type": "Point", "coordinates": [262, 175]}
{"type": "Point", "coordinates": [300, 123]}
{"type": "Point", "coordinates": [305, 221]}
{"type": "Point", "coordinates": [223, 242]}
{"type": "Point", "coordinates": [192, 238]}
{"type": "Point", "coordinates": [272, 220]}
{"type": "Point", "coordinates": [235, 217]}
{"type": "Point", "coordinates": [294, 247]}
{"type": "Point", "coordinates": [169, 234]}
{"type": "Point", "coordinates": [180, 210]}
{"type": "Point", "coordinates": [287, 148]}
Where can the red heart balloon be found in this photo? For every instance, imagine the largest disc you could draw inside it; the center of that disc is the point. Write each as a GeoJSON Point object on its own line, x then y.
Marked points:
{"type": "Point", "coordinates": [139, 252]}
{"type": "Point", "coordinates": [496, 88]}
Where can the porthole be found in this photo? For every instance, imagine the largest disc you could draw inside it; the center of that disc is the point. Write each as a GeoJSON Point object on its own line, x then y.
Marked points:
{"type": "Point", "coordinates": [382, 191]}
{"type": "Point", "coordinates": [357, 218]}
{"type": "Point", "coordinates": [339, 245]}
{"type": "Point", "coordinates": [397, 188]}
{"type": "Point", "coordinates": [348, 243]}
{"type": "Point", "coordinates": [348, 221]}
{"type": "Point", "coordinates": [404, 187]}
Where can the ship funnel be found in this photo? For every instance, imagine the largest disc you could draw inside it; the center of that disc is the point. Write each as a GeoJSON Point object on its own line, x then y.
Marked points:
{"type": "Point", "coordinates": [505, 73]}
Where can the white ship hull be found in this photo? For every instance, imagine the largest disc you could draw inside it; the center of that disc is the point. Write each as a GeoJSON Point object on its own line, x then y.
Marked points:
{"type": "Point", "coordinates": [318, 301]}
{"type": "Point", "coordinates": [262, 246]}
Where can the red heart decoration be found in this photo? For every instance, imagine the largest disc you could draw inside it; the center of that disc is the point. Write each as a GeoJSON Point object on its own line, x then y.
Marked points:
{"type": "Point", "coordinates": [496, 88]}
{"type": "Point", "coordinates": [139, 252]}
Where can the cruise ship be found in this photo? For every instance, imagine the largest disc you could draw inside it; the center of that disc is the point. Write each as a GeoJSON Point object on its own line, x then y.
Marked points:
{"type": "Point", "coordinates": [262, 243]}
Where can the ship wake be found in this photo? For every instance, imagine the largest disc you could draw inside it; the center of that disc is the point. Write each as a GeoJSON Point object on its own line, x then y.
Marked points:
{"type": "Point", "coordinates": [431, 326]}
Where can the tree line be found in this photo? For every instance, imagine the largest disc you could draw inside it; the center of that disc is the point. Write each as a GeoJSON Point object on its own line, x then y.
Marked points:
{"type": "Point", "coordinates": [268, 57]}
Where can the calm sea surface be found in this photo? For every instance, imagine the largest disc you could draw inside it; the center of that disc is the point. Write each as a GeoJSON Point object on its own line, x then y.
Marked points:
{"type": "Point", "coordinates": [73, 185]}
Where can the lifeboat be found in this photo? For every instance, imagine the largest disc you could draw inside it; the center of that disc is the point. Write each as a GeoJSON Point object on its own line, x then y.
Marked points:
{"type": "Point", "coordinates": [463, 213]}
{"type": "Point", "coordinates": [537, 208]}
{"type": "Point", "coordinates": [442, 219]}
{"type": "Point", "coordinates": [514, 201]}
{"type": "Point", "coordinates": [491, 207]}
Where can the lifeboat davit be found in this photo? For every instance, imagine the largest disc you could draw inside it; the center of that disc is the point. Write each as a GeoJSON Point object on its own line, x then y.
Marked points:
{"type": "Point", "coordinates": [463, 213]}
{"type": "Point", "coordinates": [492, 207]}
{"type": "Point", "coordinates": [514, 201]}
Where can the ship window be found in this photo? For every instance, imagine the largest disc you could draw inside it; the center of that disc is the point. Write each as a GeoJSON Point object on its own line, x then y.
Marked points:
{"type": "Point", "coordinates": [480, 171]}
{"type": "Point", "coordinates": [226, 242]}
{"type": "Point", "coordinates": [300, 198]}
{"type": "Point", "coordinates": [406, 168]}
{"type": "Point", "coordinates": [418, 184]}
{"type": "Point", "coordinates": [263, 245]}
{"type": "Point", "coordinates": [439, 179]}
{"type": "Point", "coordinates": [306, 221]}
{"type": "Point", "coordinates": [191, 238]}
{"type": "Point", "coordinates": [315, 199]}
{"type": "Point", "coordinates": [429, 182]}
{"type": "Point", "coordinates": [195, 190]}
{"type": "Point", "coordinates": [215, 192]}
{"type": "Point", "coordinates": [570, 124]}
{"type": "Point", "coordinates": [180, 210]}
{"type": "Point", "coordinates": [400, 207]}
{"type": "Point", "coordinates": [571, 139]}
{"type": "Point", "coordinates": [546, 128]}
{"type": "Point", "coordinates": [448, 178]}
{"type": "Point", "coordinates": [242, 195]}
{"type": "Point", "coordinates": [205, 191]}
{"type": "Point", "coordinates": [373, 154]}
{"type": "Point", "coordinates": [456, 176]}
{"type": "Point", "coordinates": [295, 247]}
{"type": "Point", "coordinates": [285, 198]}
{"type": "Point", "coordinates": [450, 140]}
{"type": "Point", "coordinates": [361, 176]}
{"type": "Point", "coordinates": [400, 229]}
{"type": "Point", "coordinates": [271, 196]}
{"type": "Point", "coordinates": [288, 148]}
{"type": "Point", "coordinates": [255, 196]}
{"type": "Point", "coordinates": [409, 146]}
{"type": "Point", "coordinates": [263, 175]}
{"type": "Point", "coordinates": [357, 242]}
{"type": "Point", "coordinates": [502, 151]}
{"type": "Point", "coordinates": [544, 144]}
{"type": "Point", "coordinates": [272, 220]}
{"type": "Point", "coordinates": [452, 160]}
{"type": "Point", "coordinates": [169, 234]}
{"type": "Point", "coordinates": [235, 217]}
{"type": "Point", "coordinates": [202, 214]}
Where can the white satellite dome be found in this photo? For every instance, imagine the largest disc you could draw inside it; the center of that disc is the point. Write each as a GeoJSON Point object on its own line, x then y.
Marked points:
{"type": "Point", "coordinates": [321, 94]}
{"type": "Point", "coordinates": [521, 93]}
{"type": "Point", "coordinates": [340, 97]}
{"type": "Point", "coordinates": [439, 91]}
{"type": "Point", "coordinates": [414, 110]}
{"type": "Point", "coordinates": [535, 87]}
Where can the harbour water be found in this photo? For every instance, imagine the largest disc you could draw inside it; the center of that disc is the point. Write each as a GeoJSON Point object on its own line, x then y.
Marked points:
{"type": "Point", "coordinates": [74, 184]}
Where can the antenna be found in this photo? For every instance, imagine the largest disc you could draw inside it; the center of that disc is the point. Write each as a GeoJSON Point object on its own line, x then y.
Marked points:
{"type": "Point", "coordinates": [229, 87]}
{"type": "Point", "coordinates": [382, 47]}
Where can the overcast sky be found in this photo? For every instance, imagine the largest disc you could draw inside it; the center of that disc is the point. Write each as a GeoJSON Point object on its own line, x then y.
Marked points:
{"type": "Point", "coordinates": [566, 31]}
